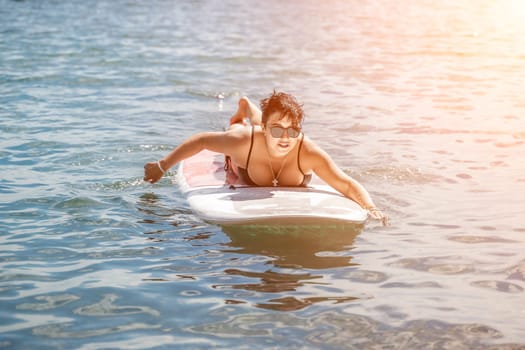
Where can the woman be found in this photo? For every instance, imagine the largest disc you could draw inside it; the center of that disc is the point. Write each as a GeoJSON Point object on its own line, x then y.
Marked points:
{"type": "Point", "coordinates": [273, 151]}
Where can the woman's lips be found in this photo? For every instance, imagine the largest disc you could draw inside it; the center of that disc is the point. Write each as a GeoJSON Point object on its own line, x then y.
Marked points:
{"type": "Point", "coordinates": [283, 145]}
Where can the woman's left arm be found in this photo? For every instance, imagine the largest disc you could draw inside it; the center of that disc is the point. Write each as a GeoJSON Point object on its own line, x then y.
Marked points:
{"type": "Point", "coordinates": [324, 167]}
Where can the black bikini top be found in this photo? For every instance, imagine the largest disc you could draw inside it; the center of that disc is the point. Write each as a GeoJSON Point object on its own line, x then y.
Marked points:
{"type": "Point", "coordinates": [243, 172]}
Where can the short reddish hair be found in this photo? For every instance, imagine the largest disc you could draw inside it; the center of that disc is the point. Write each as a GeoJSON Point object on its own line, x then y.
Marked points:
{"type": "Point", "coordinates": [286, 105]}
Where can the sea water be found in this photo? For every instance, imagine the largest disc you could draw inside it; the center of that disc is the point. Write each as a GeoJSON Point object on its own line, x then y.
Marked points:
{"type": "Point", "coordinates": [421, 101]}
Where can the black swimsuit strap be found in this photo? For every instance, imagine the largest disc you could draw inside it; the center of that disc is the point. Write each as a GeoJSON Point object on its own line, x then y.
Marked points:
{"type": "Point", "coordinates": [250, 151]}
{"type": "Point", "coordinates": [298, 157]}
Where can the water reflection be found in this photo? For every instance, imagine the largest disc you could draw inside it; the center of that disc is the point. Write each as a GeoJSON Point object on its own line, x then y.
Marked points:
{"type": "Point", "coordinates": [289, 248]}
{"type": "Point", "coordinates": [296, 246]}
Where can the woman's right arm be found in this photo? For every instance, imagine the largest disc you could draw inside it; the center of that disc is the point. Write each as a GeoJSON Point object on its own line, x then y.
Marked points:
{"type": "Point", "coordinates": [220, 142]}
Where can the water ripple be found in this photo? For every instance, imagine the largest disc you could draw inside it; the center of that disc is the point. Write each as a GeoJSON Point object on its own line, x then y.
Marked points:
{"type": "Point", "coordinates": [67, 331]}
{"type": "Point", "coordinates": [107, 307]}
{"type": "Point", "coordinates": [47, 302]}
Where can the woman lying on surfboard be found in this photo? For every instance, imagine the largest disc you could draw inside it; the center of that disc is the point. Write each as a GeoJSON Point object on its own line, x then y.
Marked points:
{"type": "Point", "coordinates": [271, 151]}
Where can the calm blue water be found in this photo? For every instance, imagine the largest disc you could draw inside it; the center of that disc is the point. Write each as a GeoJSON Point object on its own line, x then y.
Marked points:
{"type": "Point", "coordinates": [421, 101]}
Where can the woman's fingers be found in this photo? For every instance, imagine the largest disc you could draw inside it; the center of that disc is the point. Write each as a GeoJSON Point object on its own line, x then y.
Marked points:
{"type": "Point", "coordinates": [378, 215]}
{"type": "Point", "coordinates": [150, 170]}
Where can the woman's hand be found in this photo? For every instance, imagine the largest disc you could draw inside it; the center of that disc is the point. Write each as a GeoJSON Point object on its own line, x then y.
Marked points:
{"type": "Point", "coordinates": [377, 214]}
{"type": "Point", "coordinates": [153, 172]}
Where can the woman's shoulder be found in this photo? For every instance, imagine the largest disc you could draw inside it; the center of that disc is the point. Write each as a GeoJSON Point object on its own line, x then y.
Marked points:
{"type": "Point", "coordinates": [239, 133]}
{"type": "Point", "coordinates": [241, 136]}
{"type": "Point", "coordinates": [312, 154]}
{"type": "Point", "coordinates": [309, 146]}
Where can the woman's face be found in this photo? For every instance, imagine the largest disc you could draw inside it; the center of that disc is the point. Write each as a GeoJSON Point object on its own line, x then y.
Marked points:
{"type": "Point", "coordinates": [278, 133]}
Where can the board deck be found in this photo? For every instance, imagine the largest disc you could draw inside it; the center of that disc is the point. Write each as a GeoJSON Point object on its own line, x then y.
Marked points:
{"type": "Point", "coordinates": [203, 181]}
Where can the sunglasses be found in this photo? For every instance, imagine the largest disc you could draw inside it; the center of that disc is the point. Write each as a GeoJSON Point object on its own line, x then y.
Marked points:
{"type": "Point", "coordinates": [278, 132]}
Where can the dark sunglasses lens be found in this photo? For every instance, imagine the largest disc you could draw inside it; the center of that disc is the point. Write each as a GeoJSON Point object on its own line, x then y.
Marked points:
{"type": "Point", "coordinates": [278, 132]}
{"type": "Point", "coordinates": [293, 133]}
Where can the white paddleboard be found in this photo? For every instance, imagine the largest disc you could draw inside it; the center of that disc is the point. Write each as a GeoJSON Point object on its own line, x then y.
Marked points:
{"type": "Point", "coordinates": [203, 181]}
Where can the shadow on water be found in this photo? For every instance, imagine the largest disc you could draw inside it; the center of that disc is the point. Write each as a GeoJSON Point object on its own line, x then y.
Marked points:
{"type": "Point", "coordinates": [295, 246]}
{"type": "Point", "coordinates": [293, 250]}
